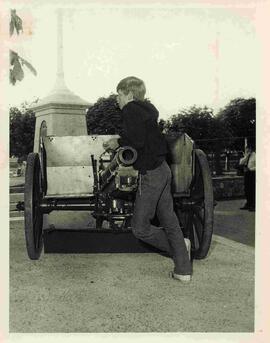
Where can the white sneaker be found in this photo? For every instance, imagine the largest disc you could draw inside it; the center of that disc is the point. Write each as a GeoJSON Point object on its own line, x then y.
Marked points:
{"type": "Point", "coordinates": [188, 245]}
{"type": "Point", "coordinates": [182, 278]}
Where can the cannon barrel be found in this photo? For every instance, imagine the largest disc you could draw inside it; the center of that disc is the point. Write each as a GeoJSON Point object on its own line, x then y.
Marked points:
{"type": "Point", "coordinates": [125, 156]}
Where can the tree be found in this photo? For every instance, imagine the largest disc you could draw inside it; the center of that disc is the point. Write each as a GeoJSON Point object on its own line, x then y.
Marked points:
{"type": "Point", "coordinates": [104, 117]}
{"type": "Point", "coordinates": [16, 72]}
{"type": "Point", "coordinates": [239, 117]}
{"type": "Point", "coordinates": [201, 125]}
{"type": "Point", "coordinates": [22, 131]}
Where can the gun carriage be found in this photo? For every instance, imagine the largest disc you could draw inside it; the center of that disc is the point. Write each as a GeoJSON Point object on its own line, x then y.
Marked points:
{"type": "Point", "coordinates": [76, 174]}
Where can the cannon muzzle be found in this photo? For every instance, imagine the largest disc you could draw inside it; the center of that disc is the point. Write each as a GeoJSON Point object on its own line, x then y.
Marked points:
{"type": "Point", "coordinates": [124, 157]}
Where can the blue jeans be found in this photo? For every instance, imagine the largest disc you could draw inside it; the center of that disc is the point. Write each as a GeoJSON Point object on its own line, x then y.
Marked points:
{"type": "Point", "coordinates": [154, 196]}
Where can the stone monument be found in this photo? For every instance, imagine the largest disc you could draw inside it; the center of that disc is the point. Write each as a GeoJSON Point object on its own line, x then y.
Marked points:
{"type": "Point", "coordinates": [61, 112]}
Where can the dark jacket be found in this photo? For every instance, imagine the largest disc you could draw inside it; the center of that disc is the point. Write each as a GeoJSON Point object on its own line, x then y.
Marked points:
{"type": "Point", "coordinates": [141, 131]}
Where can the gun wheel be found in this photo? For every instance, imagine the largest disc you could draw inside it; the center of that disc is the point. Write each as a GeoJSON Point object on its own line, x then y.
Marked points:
{"type": "Point", "coordinates": [197, 219]}
{"type": "Point", "coordinates": [33, 216]}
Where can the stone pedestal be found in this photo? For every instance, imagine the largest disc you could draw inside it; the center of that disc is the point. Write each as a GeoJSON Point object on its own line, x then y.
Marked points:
{"type": "Point", "coordinates": [61, 113]}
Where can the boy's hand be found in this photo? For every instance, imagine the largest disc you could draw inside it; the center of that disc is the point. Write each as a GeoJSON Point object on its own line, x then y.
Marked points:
{"type": "Point", "coordinates": [111, 144]}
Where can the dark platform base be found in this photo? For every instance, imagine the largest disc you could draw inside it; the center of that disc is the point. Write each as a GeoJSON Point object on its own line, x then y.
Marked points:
{"type": "Point", "coordinates": [93, 241]}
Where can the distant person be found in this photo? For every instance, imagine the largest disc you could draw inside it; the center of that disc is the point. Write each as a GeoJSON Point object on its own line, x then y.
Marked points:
{"type": "Point", "coordinates": [249, 163]}
{"type": "Point", "coordinates": [141, 131]}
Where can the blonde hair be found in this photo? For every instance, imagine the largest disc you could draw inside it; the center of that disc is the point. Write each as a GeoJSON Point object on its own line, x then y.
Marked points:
{"type": "Point", "coordinates": [134, 85]}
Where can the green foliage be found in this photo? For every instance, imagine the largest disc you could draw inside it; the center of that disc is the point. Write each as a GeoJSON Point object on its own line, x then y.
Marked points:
{"type": "Point", "coordinates": [195, 120]}
{"type": "Point", "coordinates": [239, 117]}
{"type": "Point", "coordinates": [201, 125]}
{"type": "Point", "coordinates": [162, 125]}
{"type": "Point", "coordinates": [16, 72]}
{"type": "Point", "coordinates": [104, 117]}
{"type": "Point", "coordinates": [22, 131]}
{"type": "Point", "coordinates": [15, 22]}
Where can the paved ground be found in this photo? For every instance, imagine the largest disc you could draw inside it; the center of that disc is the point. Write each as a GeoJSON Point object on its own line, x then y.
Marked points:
{"type": "Point", "coordinates": [233, 223]}
{"type": "Point", "coordinates": [132, 292]}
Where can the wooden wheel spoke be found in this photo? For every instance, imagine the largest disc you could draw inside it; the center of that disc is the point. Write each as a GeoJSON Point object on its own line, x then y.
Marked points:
{"type": "Point", "coordinates": [191, 230]}
{"type": "Point", "coordinates": [199, 228]}
{"type": "Point", "coordinates": [199, 202]}
{"type": "Point", "coordinates": [198, 216]}
{"type": "Point", "coordinates": [195, 230]}
{"type": "Point", "coordinates": [195, 238]}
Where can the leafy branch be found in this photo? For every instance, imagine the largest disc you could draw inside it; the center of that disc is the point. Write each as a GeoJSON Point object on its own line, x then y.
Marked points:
{"type": "Point", "coordinates": [16, 72]}
{"type": "Point", "coordinates": [15, 22]}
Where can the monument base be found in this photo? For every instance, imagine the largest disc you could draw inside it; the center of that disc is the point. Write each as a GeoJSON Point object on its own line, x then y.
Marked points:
{"type": "Point", "coordinates": [66, 241]}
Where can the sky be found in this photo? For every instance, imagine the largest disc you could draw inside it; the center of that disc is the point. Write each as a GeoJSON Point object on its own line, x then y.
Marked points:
{"type": "Point", "coordinates": [187, 56]}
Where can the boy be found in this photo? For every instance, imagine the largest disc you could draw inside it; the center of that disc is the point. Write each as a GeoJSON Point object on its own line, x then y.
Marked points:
{"type": "Point", "coordinates": [141, 131]}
